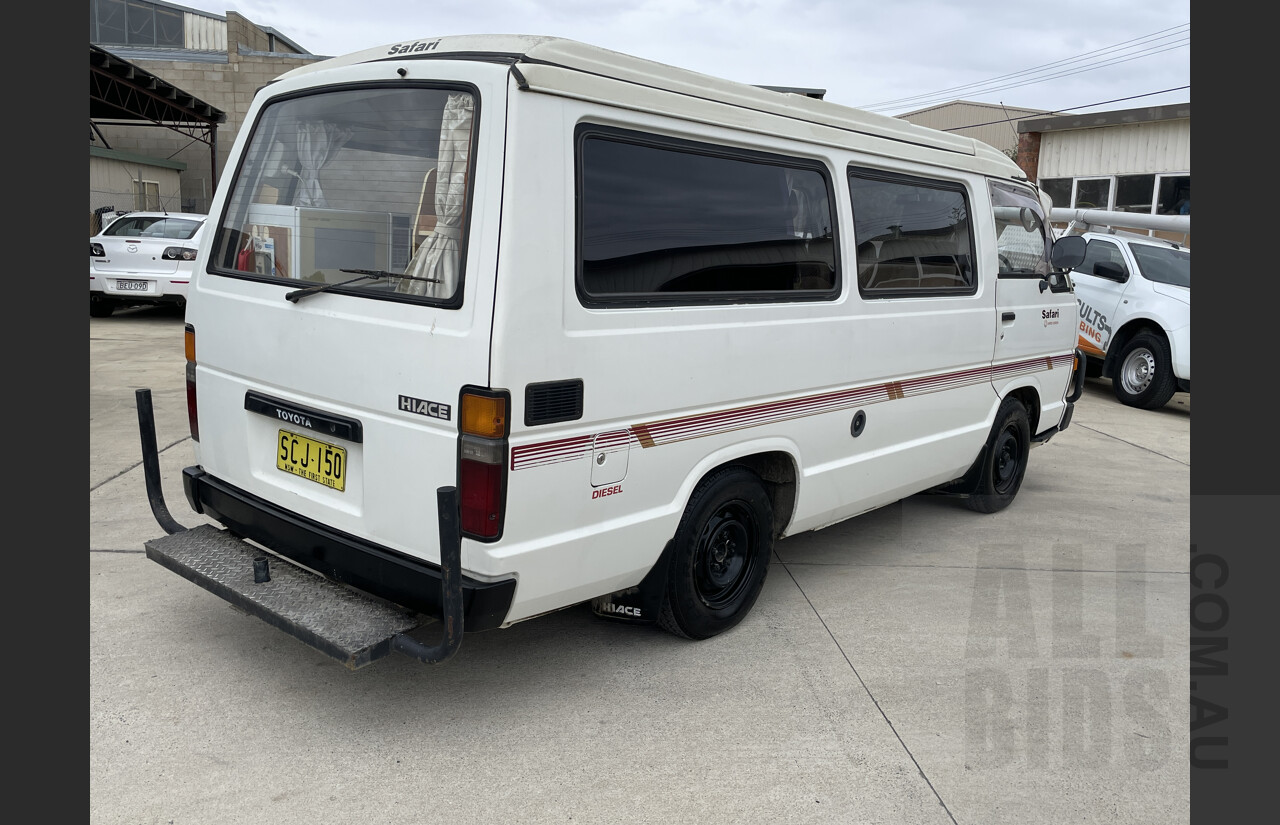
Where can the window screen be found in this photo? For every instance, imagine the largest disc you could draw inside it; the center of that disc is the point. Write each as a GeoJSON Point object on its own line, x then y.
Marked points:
{"type": "Point", "coordinates": [675, 222]}
{"type": "Point", "coordinates": [914, 236]}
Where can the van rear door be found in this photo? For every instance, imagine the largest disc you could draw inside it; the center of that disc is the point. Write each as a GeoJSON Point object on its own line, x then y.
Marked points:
{"type": "Point", "coordinates": [342, 307]}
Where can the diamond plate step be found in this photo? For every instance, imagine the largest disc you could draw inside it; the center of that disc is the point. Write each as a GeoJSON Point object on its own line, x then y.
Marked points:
{"type": "Point", "coordinates": [349, 626]}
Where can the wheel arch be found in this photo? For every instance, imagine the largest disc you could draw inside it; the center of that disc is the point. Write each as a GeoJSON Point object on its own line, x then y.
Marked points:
{"type": "Point", "coordinates": [1121, 337]}
{"type": "Point", "coordinates": [774, 461]}
{"type": "Point", "coordinates": [1027, 391]}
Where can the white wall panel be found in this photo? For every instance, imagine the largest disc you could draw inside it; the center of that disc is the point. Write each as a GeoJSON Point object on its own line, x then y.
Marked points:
{"type": "Point", "coordinates": [1129, 149]}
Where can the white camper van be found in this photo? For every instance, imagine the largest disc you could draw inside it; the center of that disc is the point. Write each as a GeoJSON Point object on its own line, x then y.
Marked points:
{"type": "Point", "coordinates": [489, 326]}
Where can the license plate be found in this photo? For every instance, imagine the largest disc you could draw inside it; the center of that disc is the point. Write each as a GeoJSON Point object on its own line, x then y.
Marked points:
{"type": "Point", "coordinates": [313, 460]}
{"type": "Point", "coordinates": [133, 286]}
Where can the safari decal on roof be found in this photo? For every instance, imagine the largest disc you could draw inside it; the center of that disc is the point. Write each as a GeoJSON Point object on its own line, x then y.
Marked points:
{"type": "Point", "coordinates": [415, 46]}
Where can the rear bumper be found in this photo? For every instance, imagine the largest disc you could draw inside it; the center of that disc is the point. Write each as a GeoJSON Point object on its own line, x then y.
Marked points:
{"type": "Point", "coordinates": [161, 289]}
{"type": "Point", "coordinates": [405, 581]}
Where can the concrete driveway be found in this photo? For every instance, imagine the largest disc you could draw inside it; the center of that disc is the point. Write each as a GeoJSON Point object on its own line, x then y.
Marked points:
{"type": "Point", "coordinates": [918, 664]}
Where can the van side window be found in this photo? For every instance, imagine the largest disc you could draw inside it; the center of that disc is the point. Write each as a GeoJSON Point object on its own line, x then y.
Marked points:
{"type": "Point", "coordinates": [913, 234]}
{"type": "Point", "coordinates": [664, 221]}
{"type": "Point", "coordinates": [1022, 245]}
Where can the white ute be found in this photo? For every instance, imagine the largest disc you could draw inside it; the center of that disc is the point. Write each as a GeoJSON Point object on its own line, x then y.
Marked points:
{"type": "Point", "coordinates": [483, 327]}
{"type": "Point", "coordinates": [1134, 292]}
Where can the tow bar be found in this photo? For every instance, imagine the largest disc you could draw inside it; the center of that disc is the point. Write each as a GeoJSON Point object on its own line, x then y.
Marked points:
{"type": "Point", "coordinates": [337, 620]}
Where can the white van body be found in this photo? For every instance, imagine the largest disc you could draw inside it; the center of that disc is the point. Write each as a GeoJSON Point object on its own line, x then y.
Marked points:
{"type": "Point", "coordinates": [624, 381]}
{"type": "Point", "coordinates": [1135, 314]}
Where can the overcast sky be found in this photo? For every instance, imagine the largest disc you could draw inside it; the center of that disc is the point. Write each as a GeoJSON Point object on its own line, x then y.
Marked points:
{"type": "Point", "coordinates": [890, 56]}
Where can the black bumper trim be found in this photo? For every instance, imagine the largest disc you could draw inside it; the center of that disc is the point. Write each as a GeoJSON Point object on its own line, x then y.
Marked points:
{"type": "Point", "coordinates": [1043, 438]}
{"type": "Point", "coordinates": [377, 570]}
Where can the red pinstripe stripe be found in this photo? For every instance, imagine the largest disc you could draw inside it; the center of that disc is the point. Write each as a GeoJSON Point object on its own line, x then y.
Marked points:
{"type": "Point", "coordinates": [672, 430]}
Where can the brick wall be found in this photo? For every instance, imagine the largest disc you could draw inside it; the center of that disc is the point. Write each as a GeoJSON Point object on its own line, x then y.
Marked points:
{"type": "Point", "coordinates": [1029, 154]}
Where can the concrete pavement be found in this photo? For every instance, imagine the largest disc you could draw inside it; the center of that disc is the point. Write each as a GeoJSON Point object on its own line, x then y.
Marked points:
{"type": "Point", "coordinates": [918, 664]}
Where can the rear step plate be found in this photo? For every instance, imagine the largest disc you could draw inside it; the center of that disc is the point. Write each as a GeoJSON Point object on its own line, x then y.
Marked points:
{"type": "Point", "coordinates": [351, 627]}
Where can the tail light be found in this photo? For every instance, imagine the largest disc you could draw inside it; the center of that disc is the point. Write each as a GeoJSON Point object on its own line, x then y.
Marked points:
{"type": "Point", "coordinates": [482, 462]}
{"type": "Point", "coordinates": [95, 250]}
{"type": "Point", "coordinates": [179, 253]}
{"type": "Point", "coordinates": [189, 346]}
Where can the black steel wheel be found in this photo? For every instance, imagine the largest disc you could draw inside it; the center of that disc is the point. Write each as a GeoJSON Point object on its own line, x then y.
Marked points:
{"type": "Point", "coordinates": [1004, 461]}
{"type": "Point", "coordinates": [721, 555]}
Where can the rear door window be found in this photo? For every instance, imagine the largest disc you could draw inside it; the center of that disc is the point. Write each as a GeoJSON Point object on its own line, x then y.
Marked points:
{"type": "Point", "coordinates": [366, 189]}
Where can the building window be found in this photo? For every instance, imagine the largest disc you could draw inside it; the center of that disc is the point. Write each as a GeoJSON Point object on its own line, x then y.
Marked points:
{"type": "Point", "coordinates": [1166, 194]}
{"type": "Point", "coordinates": [1093, 193]}
{"type": "Point", "coordinates": [134, 23]}
{"type": "Point", "coordinates": [146, 195]}
{"type": "Point", "coordinates": [1134, 193]}
{"type": "Point", "coordinates": [1059, 190]}
{"type": "Point", "coordinates": [665, 221]}
{"type": "Point", "coordinates": [1174, 196]}
{"type": "Point", "coordinates": [914, 235]}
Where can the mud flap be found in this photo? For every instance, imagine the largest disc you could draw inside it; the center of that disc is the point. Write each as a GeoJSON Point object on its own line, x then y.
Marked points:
{"type": "Point", "coordinates": [640, 604]}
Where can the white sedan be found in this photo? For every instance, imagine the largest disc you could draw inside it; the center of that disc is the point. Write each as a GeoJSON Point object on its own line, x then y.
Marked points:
{"type": "Point", "coordinates": [143, 258]}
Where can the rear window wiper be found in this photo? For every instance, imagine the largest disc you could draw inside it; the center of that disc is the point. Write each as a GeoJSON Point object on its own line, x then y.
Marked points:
{"type": "Point", "coordinates": [365, 275]}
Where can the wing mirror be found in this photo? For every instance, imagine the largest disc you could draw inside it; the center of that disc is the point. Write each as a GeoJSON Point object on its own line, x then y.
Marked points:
{"type": "Point", "coordinates": [1067, 252]}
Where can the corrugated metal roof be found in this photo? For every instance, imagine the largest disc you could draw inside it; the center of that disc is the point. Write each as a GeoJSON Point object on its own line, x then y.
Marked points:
{"type": "Point", "coordinates": [995, 107]}
{"type": "Point", "coordinates": [158, 53]}
{"type": "Point", "coordinates": [1093, 120]}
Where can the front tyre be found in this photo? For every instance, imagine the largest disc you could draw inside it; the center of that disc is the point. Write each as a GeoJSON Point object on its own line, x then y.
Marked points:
{"type": "Point", "coordinates": [720, 555]}
{"type": "Point", "coordinates": [1144, 376]}
{"type": "Point", "coordinates": [1004, 461]}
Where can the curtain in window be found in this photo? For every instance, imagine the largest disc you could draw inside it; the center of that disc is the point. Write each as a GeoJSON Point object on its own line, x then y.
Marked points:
{"type": "Point", "coordinates": [317, 144]}
{"type": "Point", "coordinates": [440, 256]}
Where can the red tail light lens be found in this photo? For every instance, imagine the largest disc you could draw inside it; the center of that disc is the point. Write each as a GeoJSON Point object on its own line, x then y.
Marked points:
{"type": "Point", "coordinates": [480, 499]}
{"type": "Point", "coordinates": [482, 462]}
{"type": "Point", "coordinates": [189, 348]}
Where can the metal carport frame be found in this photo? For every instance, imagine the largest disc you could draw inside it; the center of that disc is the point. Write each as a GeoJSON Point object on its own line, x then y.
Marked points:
{"type": "Point", "coordinates": [123, 94]}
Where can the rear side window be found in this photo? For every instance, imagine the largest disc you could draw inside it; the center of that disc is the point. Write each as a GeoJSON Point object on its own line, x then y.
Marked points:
{"type": "Point", "coordinates": [914, 235]}
{"type": "Point", "coordinates": [1104, 252]}
{"type": "Point", "coordinates": [663, 221]}
{"type": "Point", "coordinates": [153, 227]}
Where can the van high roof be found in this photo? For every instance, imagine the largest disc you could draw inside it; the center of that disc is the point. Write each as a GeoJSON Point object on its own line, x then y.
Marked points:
{"type": "Point", "coordinates": [569, 68]}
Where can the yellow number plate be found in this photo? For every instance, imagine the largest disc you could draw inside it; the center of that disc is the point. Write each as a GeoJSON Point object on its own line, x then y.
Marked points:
{"type": "Point", "coordinates": [313, 460]}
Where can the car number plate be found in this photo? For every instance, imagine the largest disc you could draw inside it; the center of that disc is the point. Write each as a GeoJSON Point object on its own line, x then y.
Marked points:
{"type": "Point", "coordinates": [133, 286]}
{"type": "Point", "coordinates": [313, 460]}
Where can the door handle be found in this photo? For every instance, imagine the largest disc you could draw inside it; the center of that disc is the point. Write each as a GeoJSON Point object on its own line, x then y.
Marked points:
{"type": "Point", "coordinates": [1008, 316]}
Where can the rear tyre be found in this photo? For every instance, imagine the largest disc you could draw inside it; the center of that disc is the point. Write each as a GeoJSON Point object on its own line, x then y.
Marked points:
{"type": "Point", "coordinates": [1004, 461]}
{"type": "Point", "coordinates": [101, 307]}
{"type": "Point", "coordinates": [720, 555]}
{"type": "Point", "coordinates": [1144, 375]}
